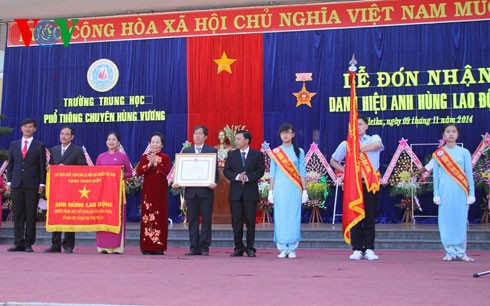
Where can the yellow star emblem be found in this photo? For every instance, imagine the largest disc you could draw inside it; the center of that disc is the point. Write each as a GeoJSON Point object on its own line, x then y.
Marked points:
{"type": "Point", "coordinates": [84, 192]}
{"type": "Point", "coordinates": [304, 96]}
{"type": "Point", "coordinates": [224, 63]}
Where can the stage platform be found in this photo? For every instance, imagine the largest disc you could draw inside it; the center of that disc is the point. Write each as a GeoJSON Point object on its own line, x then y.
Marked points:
{"type": "Point", "coordinates": [314, 236]}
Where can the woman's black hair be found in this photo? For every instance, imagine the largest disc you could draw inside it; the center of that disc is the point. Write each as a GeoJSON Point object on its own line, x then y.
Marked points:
{"type": "Point", "coordinates": [285, 127]}
{"type": "Point", "coordinates": [116, 134]}
{"type": "Point", "coordinates": [448, 125]}
{"type": "Point", "coordinates": [162, 138]}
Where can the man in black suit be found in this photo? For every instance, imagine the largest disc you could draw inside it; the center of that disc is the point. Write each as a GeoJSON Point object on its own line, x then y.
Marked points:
{"type": "Point", "coordinates": [65, 154]}
{"type": "Point", "coordinates": [26, 179]}
{"type": "Point", "coordinates": [200, 200]}
{"type": "Point", "coordinates": [243, 168]}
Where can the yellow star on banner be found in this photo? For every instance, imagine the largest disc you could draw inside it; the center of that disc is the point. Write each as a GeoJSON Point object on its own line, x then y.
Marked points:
{"type": "Point", "coordinates": [84, 192]}
{"type": "Point", "coordinates": [224, 63]}
{"type": "Point", "coordinates": [304, 96]}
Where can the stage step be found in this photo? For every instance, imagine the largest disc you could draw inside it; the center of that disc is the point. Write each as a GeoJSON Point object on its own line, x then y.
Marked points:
{"type": "Point", "coordinates": [314, 236]}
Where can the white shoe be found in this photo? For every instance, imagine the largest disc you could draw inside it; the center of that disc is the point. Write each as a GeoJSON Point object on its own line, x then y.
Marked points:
{"type": "Point", "coordinates": [356, 255]}
{"type": "Point", "coordinates": [282, 255]}
{"type": "Point", "coordinates": [466, 258]}
{"type": "Point", "coordinates": [369, 255]}
{"type": "Point", "coordinates": [292, 255]}
{"type": "Point", "coordinates": [448, 258]}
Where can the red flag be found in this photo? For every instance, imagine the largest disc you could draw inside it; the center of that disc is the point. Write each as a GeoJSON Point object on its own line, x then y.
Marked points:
{"type": "Point", "coordinates": [224, 84]}
{"type": "Point", "coordinates": [353, 202]}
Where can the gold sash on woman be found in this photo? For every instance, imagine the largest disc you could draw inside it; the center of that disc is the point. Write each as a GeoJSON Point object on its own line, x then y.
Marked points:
{"type": "Point", "coordinates": [452, 168]}
{"type": "Point", "coordinates": [286, 165]}
{"type": "Point", "coordinates": [371, 177]}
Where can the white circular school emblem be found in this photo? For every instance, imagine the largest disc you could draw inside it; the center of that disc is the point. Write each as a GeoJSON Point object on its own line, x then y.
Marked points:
{"type": "Point", "coordinates": [276, 150]}
{"type": "Point", "coordinates": [102, 75]}
{"type": "Point", "coordinates": [440, 153]}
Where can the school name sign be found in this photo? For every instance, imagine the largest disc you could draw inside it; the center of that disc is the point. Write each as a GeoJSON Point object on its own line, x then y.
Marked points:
{"type": "Point", "coordinates": [24, 32]}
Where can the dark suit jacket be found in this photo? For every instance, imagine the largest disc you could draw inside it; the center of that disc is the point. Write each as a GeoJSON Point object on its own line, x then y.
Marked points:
{"type": "Point", "coordinates": [254, 168]}
{"type": "Point", "coordinates": [202, 192]}
{"type": "Point", "coordinates": [29, 172]}
{"type": "Point", "coordinates": [73, 156]}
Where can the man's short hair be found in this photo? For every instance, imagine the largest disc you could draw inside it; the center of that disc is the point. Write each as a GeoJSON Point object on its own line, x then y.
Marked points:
{"type": "Point", "coordinates": [246, 134]}
{"type": "Point", "coordinates": [28, 121]}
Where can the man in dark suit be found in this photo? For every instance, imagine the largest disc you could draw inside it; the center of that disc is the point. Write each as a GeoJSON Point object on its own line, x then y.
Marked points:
{"type": "Point", "coordinates": [200, 200]}
{"type": "Point", "coordinates": [26, 180]}
{"type": "Point", "coordinates": [65, 154]}
{"type": "Point", "coordinates": [244, 167]}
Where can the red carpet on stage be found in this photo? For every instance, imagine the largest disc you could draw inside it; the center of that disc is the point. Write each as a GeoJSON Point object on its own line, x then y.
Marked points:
{"type": "Point", "coordinates": [316, 277]}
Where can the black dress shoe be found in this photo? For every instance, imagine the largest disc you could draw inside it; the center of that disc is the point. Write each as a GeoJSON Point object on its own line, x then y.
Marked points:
{"type": "Point", "coordinates": [52, 250]}
{"type": "Point", "coordinates": [205, 253]}
{"type": "Point", "coordinates": [28, 249]}
{"type": "Point", "coordinates": [250, 253]}
{"type": "Point", "coordinates": [236, 253]}
{"type": "Point", "coordinates": [191, 253]}
{"type": "Point", "coordinates": [69, 250]}
{"type": "Point", "coordinates": [158, 253]}
{"type": "Point", "coordinates": [16, 249]}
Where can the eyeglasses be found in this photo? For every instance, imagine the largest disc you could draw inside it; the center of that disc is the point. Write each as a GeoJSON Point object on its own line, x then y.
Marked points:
{"type": "Point", "coordinates": [286, 132]}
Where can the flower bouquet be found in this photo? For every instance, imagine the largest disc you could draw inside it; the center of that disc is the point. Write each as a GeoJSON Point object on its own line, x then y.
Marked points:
{"type": "Point", "coordinates": [231, 132]}
{"type": "Point", "coordinates": [408, 188]}
{"type": "Point", "coordinates": [481, 174]}
{"type": "Point", "coordinates": [133, 184]}
{"type": "Point", "coordinates": [264, 203]}
{"type": "Point", "coordinates": [317, 188]}
{"type": "Point", "coordinates": [7, 207]}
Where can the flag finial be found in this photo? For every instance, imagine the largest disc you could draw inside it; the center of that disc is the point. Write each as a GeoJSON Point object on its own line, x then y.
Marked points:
{"type": "Point", "coordinates": [353, 64]}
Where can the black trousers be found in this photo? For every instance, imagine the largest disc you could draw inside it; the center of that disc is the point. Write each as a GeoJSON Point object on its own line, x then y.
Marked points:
{"type": "Point", "coordinates": [362, 235]}
{"type": "Point", "coordinates": [68, 241]}
{"type": "Point", "coordinates": [241, 212]}
{"type": "Point", "coordinates": [200, 241]}
{"type": "Point", "coordinates": [24, 206]}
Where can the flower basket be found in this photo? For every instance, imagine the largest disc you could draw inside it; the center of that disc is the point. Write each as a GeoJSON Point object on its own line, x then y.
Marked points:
{"type": "Point", "coordinates": [263, 203]}
{"type": "Point", "coordinates": [484, 206]}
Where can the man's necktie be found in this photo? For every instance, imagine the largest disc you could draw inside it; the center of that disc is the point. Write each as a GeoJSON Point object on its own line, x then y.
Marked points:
{"type": "Point", "coordinates": [24, 149]}
{"type": "Point", "coordinates": [63, 151]}
{"type": "Point", "coordinates": [198, 150]}
{"type": "Point", "coordinates": [243, 159]}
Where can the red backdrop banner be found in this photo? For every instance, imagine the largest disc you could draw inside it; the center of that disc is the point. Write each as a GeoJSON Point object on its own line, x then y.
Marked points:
{"type": "Point", "coordinates": [225, 73]}
{"type": "Point", "coordinates": [84, 199]}
{"type": "Point", "coordinates": [275, 18]}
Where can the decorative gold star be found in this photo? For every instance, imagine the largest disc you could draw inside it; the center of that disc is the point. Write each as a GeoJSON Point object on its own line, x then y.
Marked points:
{"type": "Point", "coordinates": [84, 192]}
{"type": "Point", "coordinates": [224, 63]}
{"type": "Point", "coordinates": [304, 96]}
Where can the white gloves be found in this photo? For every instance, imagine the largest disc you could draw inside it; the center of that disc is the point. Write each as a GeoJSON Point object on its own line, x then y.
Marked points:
{"type": "Point", "coordinates": [437, 200]}
{"type": "Point", "coordinates": [470, 200]}
{"type": "Point", "coordinates": [270, 197]}
{"type": "Point", "coordinates": [304, 197]}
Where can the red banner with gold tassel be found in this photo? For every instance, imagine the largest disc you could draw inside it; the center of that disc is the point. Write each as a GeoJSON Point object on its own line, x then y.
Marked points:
{"type": "Point", "coordinates": [84, 199]}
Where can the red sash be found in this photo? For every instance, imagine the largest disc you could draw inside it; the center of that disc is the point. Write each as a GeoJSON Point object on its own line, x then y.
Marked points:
{"type": "Point", "coordinates": [444, 159]}
{"type": "Point", "coordinates": [371, 177]}
{"type": "Point", "coordinates": [286, 165]}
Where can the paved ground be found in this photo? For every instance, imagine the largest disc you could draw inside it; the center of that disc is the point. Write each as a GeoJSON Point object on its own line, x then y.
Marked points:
{"type": "Point", "coordinates": [316, 277]}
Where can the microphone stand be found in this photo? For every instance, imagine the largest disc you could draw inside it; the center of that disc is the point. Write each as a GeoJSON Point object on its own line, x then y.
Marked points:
{"type": "Point", "coordinates": [478, 274]}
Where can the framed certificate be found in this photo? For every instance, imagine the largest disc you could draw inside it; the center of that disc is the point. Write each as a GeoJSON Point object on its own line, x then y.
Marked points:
{"type": "Point", "coordinates": [195, 170]}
